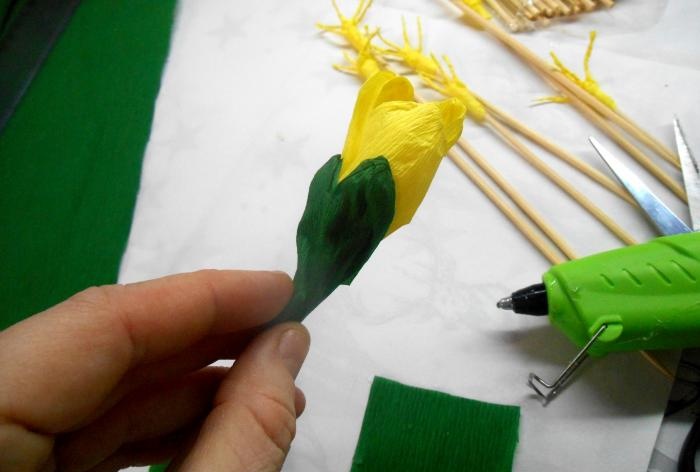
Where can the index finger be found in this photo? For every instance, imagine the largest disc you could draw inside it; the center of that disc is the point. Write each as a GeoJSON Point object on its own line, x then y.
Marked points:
{"type": "Point", "coordinates": [60, 364]}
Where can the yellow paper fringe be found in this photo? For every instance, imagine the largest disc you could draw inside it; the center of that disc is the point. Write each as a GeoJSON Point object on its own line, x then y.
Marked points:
{"type": "Point", "coordinates": [412, 57]}
{"type": "Point", "coordinates": [478, 6]}
{"type": "Point", "coordinates": [589, 84]}
{"type": "Point", "coordinates": [365, 64]}
{"type": "Point", "coordinates": [369, 58]}
{"type": "Point", "coordinates": [432, 73]}
{"type": "Point", "coordinates": [349, 28]}
{"type": "Point", "coordinates": [450, 85]}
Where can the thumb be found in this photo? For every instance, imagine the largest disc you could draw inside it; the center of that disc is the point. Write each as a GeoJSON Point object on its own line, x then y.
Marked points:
{"type": "Point", "coordinates": [253, 420]}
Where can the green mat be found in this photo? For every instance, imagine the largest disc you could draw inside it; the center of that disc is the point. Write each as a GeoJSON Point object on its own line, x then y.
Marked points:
{"type": "Point", "coordinates": [412, 429]}
{"type": "Point", "coordinates": [70, 157]}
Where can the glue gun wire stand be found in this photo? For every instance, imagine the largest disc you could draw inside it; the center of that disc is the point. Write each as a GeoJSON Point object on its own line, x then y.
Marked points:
{"type": "Point", "coordinates": [532, 300]}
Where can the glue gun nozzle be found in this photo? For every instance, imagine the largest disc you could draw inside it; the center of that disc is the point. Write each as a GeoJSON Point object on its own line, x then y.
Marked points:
{"type": "Point", "coordinates": [505, 303]}
{"type": "Point", "coordinates": [530, 300]}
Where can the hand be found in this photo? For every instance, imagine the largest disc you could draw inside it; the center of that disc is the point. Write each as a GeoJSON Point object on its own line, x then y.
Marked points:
{"type": "Point", "coordinates": [118, 375]}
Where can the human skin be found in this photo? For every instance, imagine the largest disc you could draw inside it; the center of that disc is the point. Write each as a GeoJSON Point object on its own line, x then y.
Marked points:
{"type": "Point", "coordinates": [118, 375]}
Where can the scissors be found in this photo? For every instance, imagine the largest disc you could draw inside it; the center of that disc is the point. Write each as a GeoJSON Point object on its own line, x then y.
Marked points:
{"type": "Point", "coordinates": [656, 211]}
{"type": "Point", "coordinates": [668, 224]}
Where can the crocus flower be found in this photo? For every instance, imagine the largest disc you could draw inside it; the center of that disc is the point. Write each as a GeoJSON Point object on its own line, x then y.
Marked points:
{"type": "Point", "coordinates": [392, 151]}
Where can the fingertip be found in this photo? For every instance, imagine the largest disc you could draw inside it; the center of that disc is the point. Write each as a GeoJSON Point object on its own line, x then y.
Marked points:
{"type": "Point", "coordinates": [250, 297]}
{"type": "Point", "coordinates": [293, 346]}
{"type": "Point", "coordinates": [299, 401]}
{"type": "Point", "coordinates": [282, 284]}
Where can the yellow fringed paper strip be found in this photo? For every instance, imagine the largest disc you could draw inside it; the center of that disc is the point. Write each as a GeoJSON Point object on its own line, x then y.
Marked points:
{"type": "Point", "coordinates": [349, 27]}
{"type": "Point", "coordinates": [412, 57]}
{"type": "Point", "coordinates": [365, 64]}
{"type": "Point", "coordinates": [431, 71]}
{"type": "Point", "coordinates": [589, 84]}
{"type": "Point", "coordinates": [450, 85]}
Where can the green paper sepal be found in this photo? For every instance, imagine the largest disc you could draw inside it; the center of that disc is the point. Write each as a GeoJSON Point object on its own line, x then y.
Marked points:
{"type": "Point", "coordinates": [342, 225]}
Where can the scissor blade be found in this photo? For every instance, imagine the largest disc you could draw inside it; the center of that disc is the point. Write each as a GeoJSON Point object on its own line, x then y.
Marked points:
{"type": "Point", "coordinates": [660, 215]}
{"type": "Point", "coordinates": [691, 175]}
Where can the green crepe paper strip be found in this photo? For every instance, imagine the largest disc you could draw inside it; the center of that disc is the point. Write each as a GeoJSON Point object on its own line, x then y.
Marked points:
{"type": "Point", "coordinates": [342, 225]}
{"type": "Point", "coordinates": [411, 429]}
{"type": "Point", "coordinates": [70, 157]}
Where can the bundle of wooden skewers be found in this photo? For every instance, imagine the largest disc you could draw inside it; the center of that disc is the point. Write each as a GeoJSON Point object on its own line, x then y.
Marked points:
{"type": "Point", "coordinates": [519, 15]}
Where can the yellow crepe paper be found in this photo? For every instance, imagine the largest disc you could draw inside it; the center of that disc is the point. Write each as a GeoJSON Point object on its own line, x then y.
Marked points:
{"type": "Point", "coordinates": [412, 137]}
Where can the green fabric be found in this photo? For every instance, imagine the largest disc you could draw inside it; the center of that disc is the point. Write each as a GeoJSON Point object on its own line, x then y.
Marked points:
{"type": "Point", "coordinates": [342, 225]}
{"type": "Point", "coordinates": [70, 157]}
{"type": "Point", "coordinates": [412, 429]}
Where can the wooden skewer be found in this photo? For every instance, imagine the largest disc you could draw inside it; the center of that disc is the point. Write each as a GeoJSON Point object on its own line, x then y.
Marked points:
{"type": "Point", "coordinates": [553, 7]}
{"type": "Point", "coordinates": [516, 218]}
{"type": "Point", "coordinates": [628, 146]}
{"type": "Point", "coordinates": [529, 10]}
{"type": "Point", "coordinates": [512, 22]}
{"type": "Point", "coordinates": [558, 151]}
{"type": "Point", "coordinates": [563, 7]}
{"type": "Point", "coordinates": [545, 7]}
{"type": "Point", "coordinates": [531, 13]}
{"type": "Point", "coordinates": [588, 5]}
{"type": "Point", "coordinates": [510, 5]}
{"type": "Point", "coordinates": [657, 365]}
{"type": "Point", "coordinates": [568, 87]}
{"type": "Point", "coordinates": [574, 193]}
{"type": "Point", "coordinates": [518, 199]}
{"type": "Point", "coordinates": [652, 143]}
{"type": "Point", "coordinates": [574, 6]}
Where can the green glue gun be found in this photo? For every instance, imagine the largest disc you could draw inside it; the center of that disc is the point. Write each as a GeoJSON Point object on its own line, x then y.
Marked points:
{"type": "Point", "coordinates": [636, 298]}
{"type": "Point", "coordinates": [640, 297]}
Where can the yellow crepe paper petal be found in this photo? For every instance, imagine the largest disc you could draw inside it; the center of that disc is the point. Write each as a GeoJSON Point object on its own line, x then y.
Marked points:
{"type": "Point", "coordinates": [381, 87]}
{"type": "Point", "coordinates": [414, 138]}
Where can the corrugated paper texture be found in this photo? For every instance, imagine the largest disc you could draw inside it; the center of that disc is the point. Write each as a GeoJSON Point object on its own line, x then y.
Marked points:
{"type": "Point", "coordinates": [413, 429]}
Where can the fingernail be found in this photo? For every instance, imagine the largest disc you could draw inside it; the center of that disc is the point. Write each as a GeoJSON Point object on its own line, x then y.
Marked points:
{"type": "Point", "coordinates": [293, 348]}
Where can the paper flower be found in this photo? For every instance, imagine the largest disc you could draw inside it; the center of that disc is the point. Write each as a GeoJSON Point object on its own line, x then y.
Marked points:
{"type": "Point", "coordinates": [392, 151]}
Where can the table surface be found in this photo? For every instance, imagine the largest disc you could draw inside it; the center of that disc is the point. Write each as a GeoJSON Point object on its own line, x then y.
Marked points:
{"type": "Point", "coordinates": [250, 108]}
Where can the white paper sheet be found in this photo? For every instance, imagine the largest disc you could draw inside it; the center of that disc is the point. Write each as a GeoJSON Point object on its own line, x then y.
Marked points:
{"type": "Point", "coordinates": [250, 108]}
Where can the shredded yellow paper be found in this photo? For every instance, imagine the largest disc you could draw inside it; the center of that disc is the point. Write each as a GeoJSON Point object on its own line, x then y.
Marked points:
{"type": "Point", "coordinates": [589, 84]}
{"type": "Point", "coordinates": [412, 136]}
